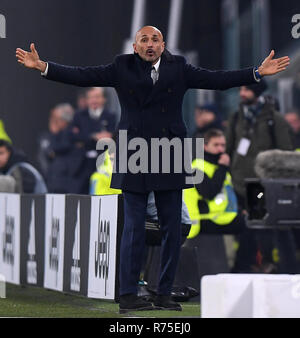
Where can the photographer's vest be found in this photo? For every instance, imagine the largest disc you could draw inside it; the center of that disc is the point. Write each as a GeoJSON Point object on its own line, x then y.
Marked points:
{"type": "Point", "coordinates": [222, 209]}
{"type": "Point", "coordinates": [100, 180]}
{"type": "Point", "coordinates": [3, 134]}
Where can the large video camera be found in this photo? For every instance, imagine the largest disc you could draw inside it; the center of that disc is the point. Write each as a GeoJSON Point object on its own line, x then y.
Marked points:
{"type": "Point", "coordinates": [273, 199]}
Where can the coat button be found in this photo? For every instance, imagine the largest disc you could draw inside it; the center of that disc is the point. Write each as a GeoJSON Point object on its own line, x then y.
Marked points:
{"type": "Point", "coordinates": [130, 91]}
{"type": "Point", "coordinates": [169, 90]}
{"type": "Point", "coordinates": [163, 109]}
{"type": "Point", "coordinates": [164, 130]}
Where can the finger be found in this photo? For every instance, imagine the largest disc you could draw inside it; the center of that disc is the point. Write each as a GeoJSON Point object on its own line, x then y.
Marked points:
{"type": "Point", "coordinates": [281, 69]}
{"type": "Point", "coordinates": [270, 57]}
{"type": "Point", "coordinates": [20, 58]}
{"type": "Point", "coordinates": [283, 63]}
{"type": "Point", "coordinates": [20, 51]}
{"type": "Point", "coordinates": [22, 62]}
{"type": "Point", "coordinates": [285, 58]}
{"type": "Point", "coordinates": [32, 47]}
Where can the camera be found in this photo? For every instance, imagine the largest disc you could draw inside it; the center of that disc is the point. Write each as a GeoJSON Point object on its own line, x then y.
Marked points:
{"type": "Point", "coordinates": [273, 203]}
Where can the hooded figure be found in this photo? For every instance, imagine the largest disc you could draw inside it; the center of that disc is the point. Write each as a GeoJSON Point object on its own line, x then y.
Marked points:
{"type": "Point", "coordinates": [14, 163]}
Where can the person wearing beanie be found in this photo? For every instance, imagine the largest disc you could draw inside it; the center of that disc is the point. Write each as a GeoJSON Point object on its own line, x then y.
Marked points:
{"type": "Point", "coordinates": [206, 118]}
{"type": "Point", "coordinates": [255, 127]}
{"type": "Point", "coordinates": [258, 88]}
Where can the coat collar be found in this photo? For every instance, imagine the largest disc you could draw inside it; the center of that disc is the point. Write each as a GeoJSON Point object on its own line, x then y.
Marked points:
{"type": "Point", "coordinates": [165, 56]}
{"type": "Point", "coordinates": [149, 90]}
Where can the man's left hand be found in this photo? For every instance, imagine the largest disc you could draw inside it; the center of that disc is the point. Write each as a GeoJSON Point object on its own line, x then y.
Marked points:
{"type": "Point", "coordinates": [272, 66]}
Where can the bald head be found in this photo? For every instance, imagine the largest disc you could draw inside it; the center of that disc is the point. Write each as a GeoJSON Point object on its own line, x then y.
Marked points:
{"type": "Point", "coordinates": [149, 43]}
{"type": "Point", "coordinates": [148, 29]}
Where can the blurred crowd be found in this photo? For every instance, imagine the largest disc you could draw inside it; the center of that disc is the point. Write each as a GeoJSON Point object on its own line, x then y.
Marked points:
{"type": "Point", "coordinates": [67, 164]}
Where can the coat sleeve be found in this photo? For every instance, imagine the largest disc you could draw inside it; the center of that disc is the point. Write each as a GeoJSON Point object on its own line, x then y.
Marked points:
{"type": "Point", "coordinates": [209, 188]}
{"type": "Point", "coordinates": [201, 78]}
{"type": "Point", "coordinates": [103, 76]}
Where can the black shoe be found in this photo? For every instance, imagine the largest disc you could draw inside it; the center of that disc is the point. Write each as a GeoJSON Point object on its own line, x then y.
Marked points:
{"type": "Point", "coordinates": [166, 303]}
{"type": "Point", "coordinates": [132, 302]}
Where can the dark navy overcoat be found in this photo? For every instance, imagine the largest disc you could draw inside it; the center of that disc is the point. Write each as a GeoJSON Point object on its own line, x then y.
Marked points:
{"type": "Point", "coordinates": [150, 111]}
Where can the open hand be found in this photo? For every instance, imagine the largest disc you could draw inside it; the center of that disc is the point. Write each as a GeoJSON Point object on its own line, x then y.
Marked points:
{"type": "Point", "coordinates": [272, 66]}
{"type": "Point", "coordinates": [30, 59]}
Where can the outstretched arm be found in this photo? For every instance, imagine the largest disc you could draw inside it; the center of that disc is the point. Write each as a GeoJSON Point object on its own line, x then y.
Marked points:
{"type": "Point", "coordinates": [104, 76]}
{"type": "Point", "coordinates": [206, 79]}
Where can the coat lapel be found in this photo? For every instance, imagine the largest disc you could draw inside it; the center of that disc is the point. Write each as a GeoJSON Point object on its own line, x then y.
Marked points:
{"type": "Point", "coordinates": [143, 85]}
{"type": "Point", "coordinates": [166, 58]}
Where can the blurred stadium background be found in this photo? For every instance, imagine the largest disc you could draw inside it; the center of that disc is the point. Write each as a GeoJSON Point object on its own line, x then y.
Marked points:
{"type": "Point", "coordinates": [214, 34]}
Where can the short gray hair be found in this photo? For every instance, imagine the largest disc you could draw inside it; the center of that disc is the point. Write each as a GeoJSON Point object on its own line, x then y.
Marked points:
{"type": "Point", "coordinates": [66, 111]}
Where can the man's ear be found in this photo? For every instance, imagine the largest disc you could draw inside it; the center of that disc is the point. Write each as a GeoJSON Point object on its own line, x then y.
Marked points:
{"type": "Point", "coordinates": [134, 47]}
{"type": "Point", "coordinates": [164, 45]}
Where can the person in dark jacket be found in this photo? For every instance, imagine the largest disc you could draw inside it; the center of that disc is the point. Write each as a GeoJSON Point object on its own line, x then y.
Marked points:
{"type": "Point", "coordinates": [55, 148]}
{"type": "Point", "coordinates": [257, 126]}
{"type": "Point", "coordinates": [205, 118]}
{"type": "Point", "coordinates": [89, 126]}
{"type": "Point", "coordinates": [151, 83]}
{"type": "Point", "coordinates": [213, 202]}
{"type": "Point", "coordinates": [254, 128]}
{"type": "Point", "coordinates": [14, 163]}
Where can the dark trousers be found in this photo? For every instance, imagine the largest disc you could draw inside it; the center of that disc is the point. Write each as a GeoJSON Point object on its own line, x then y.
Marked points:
{"type": "Point", "coordinates": [169, 204]}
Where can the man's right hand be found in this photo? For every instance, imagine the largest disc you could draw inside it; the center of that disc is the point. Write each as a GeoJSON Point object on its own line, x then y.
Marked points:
{"type": "Point", "coordinates": [224, 160]}
{"type": "Point", "coordinates": [30, 59]}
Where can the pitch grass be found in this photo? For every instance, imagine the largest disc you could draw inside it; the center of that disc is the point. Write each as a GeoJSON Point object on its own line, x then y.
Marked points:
{"type": "Point", "coordinates": [38, 302]}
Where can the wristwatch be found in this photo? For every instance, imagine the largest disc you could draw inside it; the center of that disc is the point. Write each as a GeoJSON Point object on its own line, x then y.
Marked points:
{"type": "Point", "coordinates": [256, 72]}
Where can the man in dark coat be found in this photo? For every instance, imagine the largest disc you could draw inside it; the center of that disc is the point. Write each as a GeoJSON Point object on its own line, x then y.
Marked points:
{"type": "Point", "coordinates": [89, 125]}
{"type": "Point", "coordinates": [150, 84]}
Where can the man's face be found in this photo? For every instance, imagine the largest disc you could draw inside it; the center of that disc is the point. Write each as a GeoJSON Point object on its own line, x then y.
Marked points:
{"type": "Point", "coordinates": [216, 145]}
{"type": "Point", "coordinates": [149, 44]}
{"type": "Point", "coordinates": [4, 156]}
{"type": "Point", "coordinates": [204, 117]}
{"type": "Point", "coordinates": [95, 98]}
{"type": "Point", "coordinates": [247, 96]}
{"type": "Point", "coordinates": [294, 121]}
{"type": "Point", "coordinates": [56, 123]}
